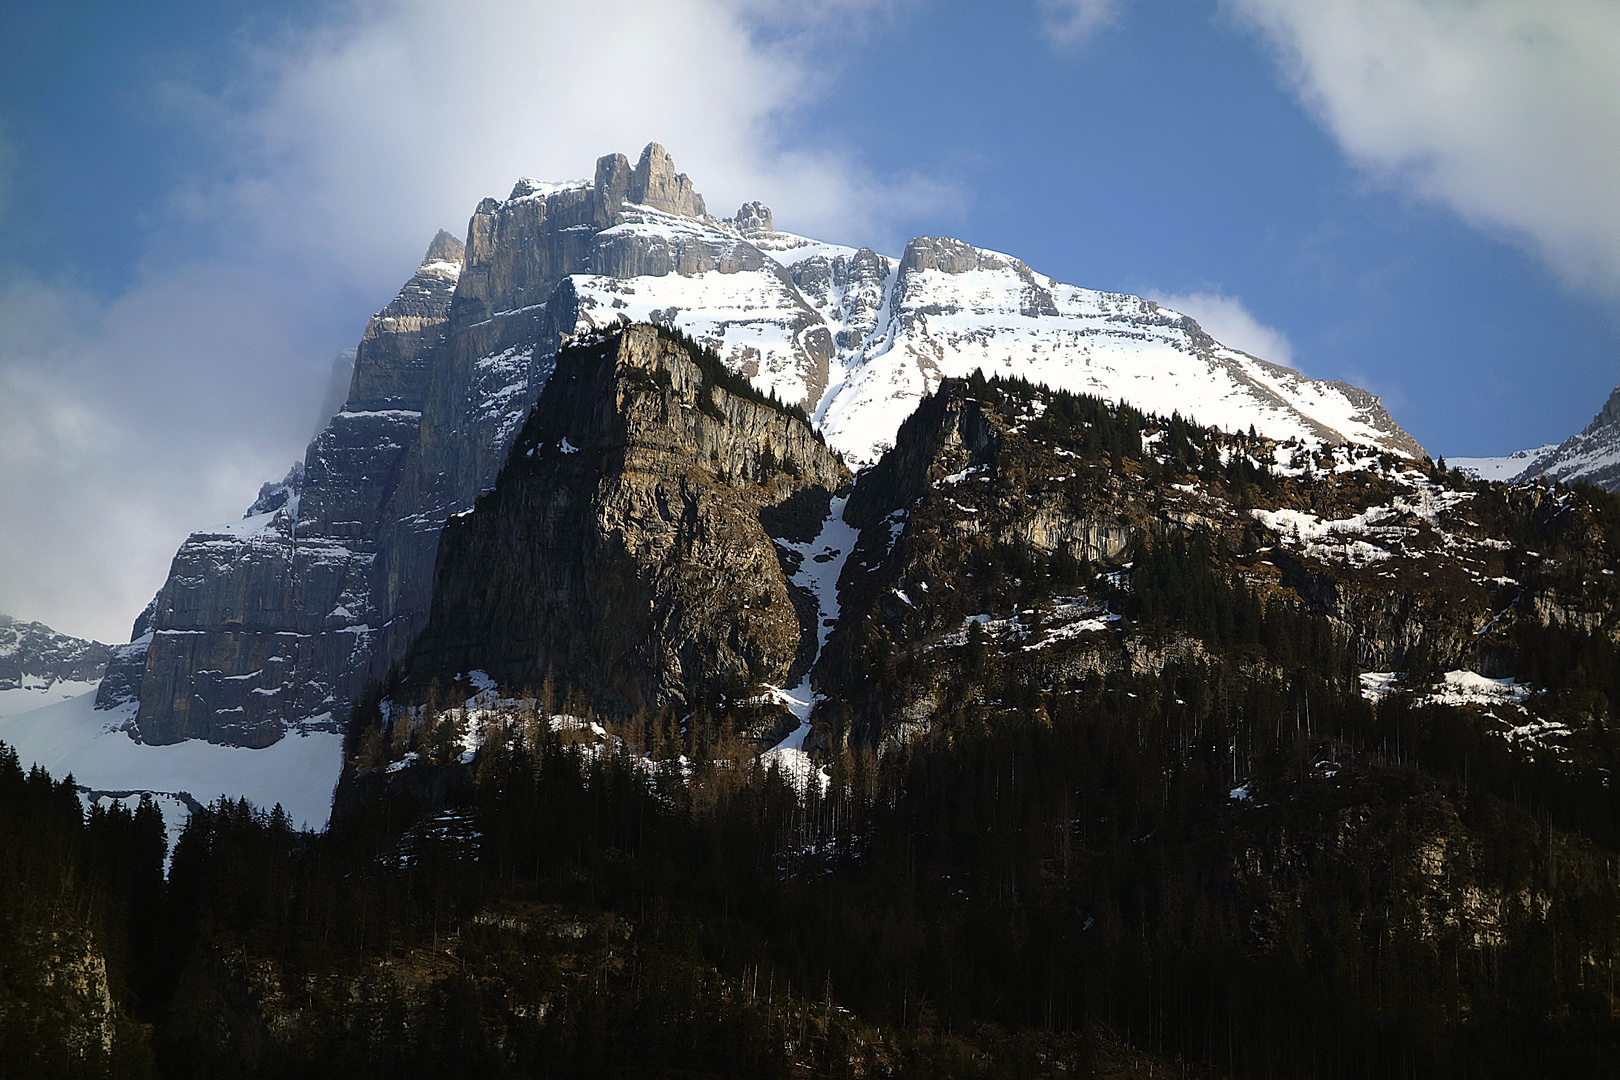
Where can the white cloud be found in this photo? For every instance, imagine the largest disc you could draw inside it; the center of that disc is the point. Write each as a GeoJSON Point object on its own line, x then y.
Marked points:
{"type": "Point", "coordinates": [395, 118]}
{"type": "Point", "coordinates": [320, 176]}
{"type": "Point", "coordinates": [1503, 110]}
{"type": "Point", "coordinates": [124, 427]}
{"type": "Point", "coordinates": [1068, 22]}
{"type": "Point", "coordinates": [1226, 320]}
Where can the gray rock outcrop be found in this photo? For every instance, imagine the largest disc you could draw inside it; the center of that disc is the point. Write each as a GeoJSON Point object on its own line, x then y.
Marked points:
{"type": "Point", "coordinates": [32, 655]}
{"type": "Point", "coordinates": [754, 217]}
{"type": "Point", "coordinates": [655, 183]}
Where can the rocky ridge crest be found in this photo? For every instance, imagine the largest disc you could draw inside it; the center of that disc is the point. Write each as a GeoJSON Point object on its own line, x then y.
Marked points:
{"type": "Point", "coordinates": [1591, 456]}
{"type": "Point", "coordinates": [33, 656]}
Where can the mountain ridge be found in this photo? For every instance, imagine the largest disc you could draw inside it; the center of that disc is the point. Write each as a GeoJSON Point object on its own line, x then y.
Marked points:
{"type": "Point", "coordinates": [1591, 455]}
{"type": "Point", "coordinates": [34, 650]}
{"type": "Point", "coordinates": [272, 625]}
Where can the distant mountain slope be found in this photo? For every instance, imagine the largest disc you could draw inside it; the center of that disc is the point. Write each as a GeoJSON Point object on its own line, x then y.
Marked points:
{"type": "Point", "coordinates": [1506, 468]}
{"type": "Point", "coordinates": [31, 653]}
{"type": "Point", "coordinates": [39, 665]}
{"type": "Point", "coordinates": [1592, 456]}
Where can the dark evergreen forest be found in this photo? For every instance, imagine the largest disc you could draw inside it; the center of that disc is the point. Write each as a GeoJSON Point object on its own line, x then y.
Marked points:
{"type": "Point", "coordinates": [1026, 889]}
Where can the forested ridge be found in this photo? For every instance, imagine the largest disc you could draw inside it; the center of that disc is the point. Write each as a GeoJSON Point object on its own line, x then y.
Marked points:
{"type": "Point", "coordinates": [1105, 783]}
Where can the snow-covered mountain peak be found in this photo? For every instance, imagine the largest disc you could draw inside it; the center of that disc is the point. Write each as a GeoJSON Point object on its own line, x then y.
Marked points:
{"type": "Point", "coordinates": [1592, 456]}
{"type": "Point", "coordinates": [445, 248]}
{"type": "Point", "coordinates": [269, 626]}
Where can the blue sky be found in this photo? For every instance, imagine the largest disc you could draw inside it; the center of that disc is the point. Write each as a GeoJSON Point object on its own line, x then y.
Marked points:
{"type": "Point", "coordinates": [201, 203]}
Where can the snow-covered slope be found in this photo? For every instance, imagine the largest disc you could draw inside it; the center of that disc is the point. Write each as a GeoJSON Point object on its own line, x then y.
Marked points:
{"type": "Point", "coordinates": [950, 308]}
{"type": "Point", "coordinates": [1592, 456]}
{"type": "Point", "coordinates": [40, 665]}
{"type": "Point", "coordinates": [1506, 468]}
{"type": "Point", "coordinates": [72, 736]}
{"type": "Point", "coordinates": [859, 338]}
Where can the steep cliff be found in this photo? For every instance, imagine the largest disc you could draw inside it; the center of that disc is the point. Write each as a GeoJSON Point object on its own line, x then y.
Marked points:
{"type": "Point", "coordinates": [627, 550]}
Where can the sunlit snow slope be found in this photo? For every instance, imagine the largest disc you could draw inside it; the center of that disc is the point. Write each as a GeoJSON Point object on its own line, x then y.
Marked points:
{"type": "Point", "coordinates": [860, 338]}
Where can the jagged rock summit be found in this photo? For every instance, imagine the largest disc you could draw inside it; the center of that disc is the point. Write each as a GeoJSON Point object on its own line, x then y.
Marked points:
{"type": "Point", "coordinates": [274, 623]}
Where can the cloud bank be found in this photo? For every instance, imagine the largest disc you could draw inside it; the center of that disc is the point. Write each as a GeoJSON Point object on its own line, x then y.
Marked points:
{"type": "Point", "coordinates": [1503, 110]}
{"type": "Point", "coordinates": [315, 181]}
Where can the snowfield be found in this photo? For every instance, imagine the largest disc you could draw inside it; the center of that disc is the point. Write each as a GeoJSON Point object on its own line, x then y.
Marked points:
{"type": "Point", "coordinates": [69, 736]}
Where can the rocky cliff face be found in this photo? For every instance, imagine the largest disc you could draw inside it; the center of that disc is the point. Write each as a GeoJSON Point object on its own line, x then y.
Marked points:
{"type": "Point", "coordinates": [627, 552]}
{"type": "Point", "coordinates": [33, 656]}
{"type": "Point", "coordinates": [274, 623]}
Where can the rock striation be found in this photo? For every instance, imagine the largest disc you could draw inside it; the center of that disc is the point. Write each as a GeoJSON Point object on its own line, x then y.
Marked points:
{"type": "Point", "coordinates": [273, 623]}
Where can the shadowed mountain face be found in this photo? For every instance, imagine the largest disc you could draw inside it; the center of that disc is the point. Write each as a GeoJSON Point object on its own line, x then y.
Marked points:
{"type": "Point", "coordinates": [628, 550]}
{"type": "Point", "coordinates": [1104, 693]}
{"type": "Point", "coordinates": [1014, 534]}
{"type": "Point", "coordinates": [33, 656]}
{"type": "Point", "coordinates": [275, 622]}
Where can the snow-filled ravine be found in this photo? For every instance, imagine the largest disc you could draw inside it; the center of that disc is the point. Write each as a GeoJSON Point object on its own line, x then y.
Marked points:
{"type": "Point", "coordinates": [821, 562]}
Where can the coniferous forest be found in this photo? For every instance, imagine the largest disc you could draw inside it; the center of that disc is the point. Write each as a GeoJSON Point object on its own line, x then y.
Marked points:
{"type": "Point", "coordinates": [1017, 894]}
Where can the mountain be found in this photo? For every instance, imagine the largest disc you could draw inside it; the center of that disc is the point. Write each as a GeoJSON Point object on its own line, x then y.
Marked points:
{"type": "Point", "coordinates": [1017, 515]}
{"type": "Point", "coordinates": [1592, 456]}
{"type": "Point", "coordinates": [272, 625]}
{"type": "Point", "coordinates": [37, 664]}
{"type": "Point", "coordinates": [629, 548]}
{"type": "Point", "coordinates": [1065, 739]}
{"type": "Point", "coordinates": [1104, 710]}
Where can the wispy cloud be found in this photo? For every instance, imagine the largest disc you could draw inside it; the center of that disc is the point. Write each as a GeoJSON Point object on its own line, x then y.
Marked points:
{"type": "Point", "coordinates": [1226, 320]}
{"type": "Point", "coordinates": [395, 118]}
{"type": "Point", "coordinates": [1503, 110]}
{"type": "Point", "coordinates": [1069, 22]}
{"type": "Point", "coordinates": [125, 426]}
